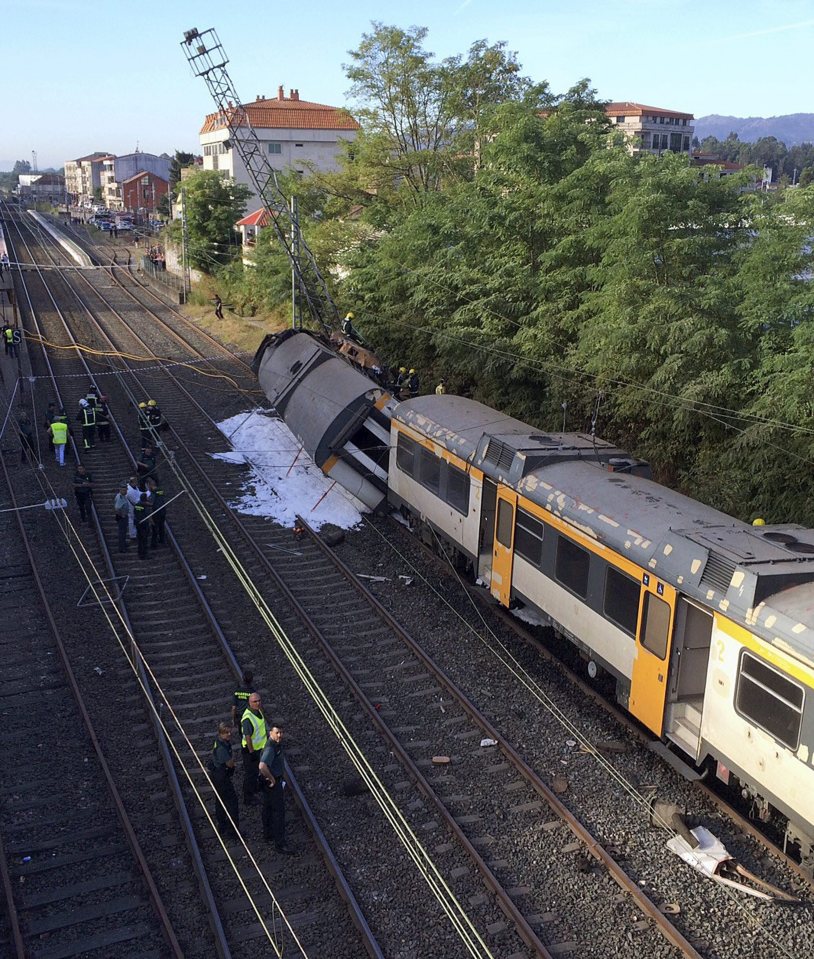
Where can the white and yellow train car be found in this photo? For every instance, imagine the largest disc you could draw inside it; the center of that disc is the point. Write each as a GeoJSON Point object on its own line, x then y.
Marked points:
{"type": "Point", "coordinates": [706, 623]}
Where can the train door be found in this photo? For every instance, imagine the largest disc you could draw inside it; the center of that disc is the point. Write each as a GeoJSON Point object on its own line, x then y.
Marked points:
{"type": "Point", "coordinates": [648, 684]}
{"type": "Point", "coordinates": [488, 512]}
{"type": "Point", "coordinates": [502, 552]}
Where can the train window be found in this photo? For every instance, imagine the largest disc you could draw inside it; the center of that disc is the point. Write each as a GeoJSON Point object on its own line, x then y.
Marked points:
{"type": "Point", "coordinates": [430, 470]}
{"type": "Point", "coordinates": [405, 455]}
{"type": "Point", "coordinates": [505, 521]}
{"type": "Point", "coordinates": [622, 600]}
{"type": "Point", "coordinates": [655, 625]}
{"type": "Point", "coordinates": [572, 566]}
{"type": "Point", "coordinates": [769, 700]}
{"type": "Point", "coordinates": [528, 537]}
{"type": "Point", "coordinates": [457, 489]}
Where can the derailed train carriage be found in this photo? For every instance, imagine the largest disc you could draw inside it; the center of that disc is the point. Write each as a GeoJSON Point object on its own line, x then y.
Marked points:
{"type": "Point", "coordinates": [705, 623]}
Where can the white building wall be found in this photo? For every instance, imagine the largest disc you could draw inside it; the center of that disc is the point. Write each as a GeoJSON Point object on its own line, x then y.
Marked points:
{"type": "Point", "coordinates": [299, 149]}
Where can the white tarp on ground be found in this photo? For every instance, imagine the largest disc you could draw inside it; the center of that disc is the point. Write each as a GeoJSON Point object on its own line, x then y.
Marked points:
{"type": "Point", "coordinates": [276, 488]}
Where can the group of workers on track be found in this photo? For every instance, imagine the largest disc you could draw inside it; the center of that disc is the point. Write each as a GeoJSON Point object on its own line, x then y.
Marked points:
{"type": "Point", "coordinates": [263, 767]}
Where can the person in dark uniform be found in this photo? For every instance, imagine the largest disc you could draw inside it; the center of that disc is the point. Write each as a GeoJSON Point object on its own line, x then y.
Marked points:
{"type": "Point", "coordinates": [218, 307]}
{"type": "Point", "coordinates": [221, 771]}
{"type": "Point", "coordinates": [83, 490]}
{"type": "Point", "coordinates": [103, 419]}
{"type": "Point", "coordinates": [240, 700]}
{"type": "Point", "coordinates": [158, 512]}
{"type": "Point", "coordinates": [253, 728]}
{"type": "Point", "coordinates": [145, 466]}
{"type": "Point", "coordinates": [142, 520]}
{"type": "Point", "coordinates": [272, 775]}
{"type": "Point", "coordinates": [50, 416]}
{"type": "Point", "coordinates": [87, 419]}
{"type": "Point", "coordinates": [26, 438]}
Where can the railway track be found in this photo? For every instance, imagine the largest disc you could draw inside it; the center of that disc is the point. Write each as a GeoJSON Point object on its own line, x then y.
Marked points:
{"type": "Point", "coordinates": [556, 925]}
{"type": "Point", "coordinates": [75, 877]}
{"type": "Point", "coordinates": [527, 808]}
{"type": "Point", "coordinates": [195, 670]}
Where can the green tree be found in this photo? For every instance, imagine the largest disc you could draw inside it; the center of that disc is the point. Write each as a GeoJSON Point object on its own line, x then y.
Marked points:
{"type": "Point", "coordinates": [179, 161]}
{"type": "Point", "coordinates": [213, 206]}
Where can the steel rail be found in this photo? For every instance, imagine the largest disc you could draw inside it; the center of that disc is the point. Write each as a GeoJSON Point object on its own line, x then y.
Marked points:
{"type": "Point", "coordinates": [525, 931]}
{"type": "Point", "coordinates": [193, 848]}
{"type": "Point", "coordinates": [641, 734]}
{"type": "Point", "coordinates": [121, 812]}
{"type": "Point", "coordinates": [596, 849]}
{"type": "Point", "coordinates": [343, 887]}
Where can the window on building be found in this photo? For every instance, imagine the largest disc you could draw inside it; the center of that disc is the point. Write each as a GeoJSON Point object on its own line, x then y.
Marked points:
{"type": "Point", "coordinates": [215, 162]}
{"type": "Point", "coordinates": [505, 521]}
{"type": "Point", "coordinates": [683, 123]}
{"type": "Point", "coordinates": [405, 455]}
{"type": "Point", "coordinates": [622, 600]}
{"type": "Point", "coordinates": [457, 489]}
{"type": "Point", "coordinates": [661, 119]}
{"type": "Point", "coordinates": [528, 537]}
{"type": "Point", "coordinates": [686, 147]}
{"type": "Point", "coordinates": [770, 700]}
{"type": "Point", "coordinates": [655, 625]}
{"type": "Point", "coordinates": [646, 140]}
{"type": "Point", "coordinates": [572, 566]}
{"type": "Point", "coordinates": [297, 144]}
{"type": "Point", "coordinates": [429, 470]}
{"type": "Point", "coordinates": [675, 142]}
{"type": "Point", "coordinates": [621, 119]}
{"type": "Point", "coordinates": [275, 148]}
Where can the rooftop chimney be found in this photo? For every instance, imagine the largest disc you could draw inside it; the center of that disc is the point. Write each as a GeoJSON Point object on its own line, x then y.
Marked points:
{"type": "Point", "coordinates": [295, 95]}
{"type": "Point", "coordinates": [280, 92]}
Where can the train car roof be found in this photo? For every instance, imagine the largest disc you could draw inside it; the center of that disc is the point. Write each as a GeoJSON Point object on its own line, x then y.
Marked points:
{"type": "Point", "coordinates": [760, 576]}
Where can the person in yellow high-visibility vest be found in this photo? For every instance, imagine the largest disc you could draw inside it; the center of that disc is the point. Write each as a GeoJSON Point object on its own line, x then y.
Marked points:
{"type": "Point", "coordinates": [255, 735]}
{"type": "Point", "coordinates": [58, 432]}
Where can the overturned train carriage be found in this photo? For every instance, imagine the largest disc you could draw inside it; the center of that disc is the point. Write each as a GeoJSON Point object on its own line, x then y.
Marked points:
{"type": "Point", "coordinates": [341, 417]}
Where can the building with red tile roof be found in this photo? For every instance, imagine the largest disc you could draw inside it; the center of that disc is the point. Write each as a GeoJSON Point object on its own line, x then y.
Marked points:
{"type": "Point", "coordinates": [295, 134]}
{"type": "Point", "coordinates": [652, 129]}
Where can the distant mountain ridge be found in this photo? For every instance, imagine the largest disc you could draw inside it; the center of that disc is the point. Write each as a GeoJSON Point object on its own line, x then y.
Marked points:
{"type": "Point", "coordinates": [792, 128]}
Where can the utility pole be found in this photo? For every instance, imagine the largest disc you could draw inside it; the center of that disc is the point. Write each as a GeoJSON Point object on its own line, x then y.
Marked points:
{"type": "Point", "coordinates": [184, 242]}
{"type": "Point", "coordinates": [33, 161]}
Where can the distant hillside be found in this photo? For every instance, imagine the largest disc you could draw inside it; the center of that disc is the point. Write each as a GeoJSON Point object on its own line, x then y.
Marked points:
{"type": "Point", "coordinates": [791, 129]}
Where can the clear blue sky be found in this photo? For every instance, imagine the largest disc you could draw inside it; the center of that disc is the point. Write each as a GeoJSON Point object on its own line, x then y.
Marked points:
{"type": "Point", "coordinates": [80, 75]}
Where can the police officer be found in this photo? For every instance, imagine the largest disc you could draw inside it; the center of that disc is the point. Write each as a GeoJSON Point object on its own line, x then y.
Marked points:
{"type": "Point", "coordinates": [412, 383]}
{"type": "Point", "coordinates": [240, 700]}
{"type": "Point", "coordinates": [272, 776]}
{"type": "Point", "coordinates": [146, 466]}
{"type": "Point", "coordinates": [8, 339]}
{"type": "Point", "coordinates": [158, 512]}
{"type": "Point", "coordinates": [221, 771]}
{"type": "Point", "coordinates": [83, 491]}
{"type": "Point", "coordinates": [141, 517]}
{"type": "Point", "coordinates": [401, 379]}
{"type": "Point", "coordinates": [87, 420]}
{"type": "Point", "coordinates": [253, 727]}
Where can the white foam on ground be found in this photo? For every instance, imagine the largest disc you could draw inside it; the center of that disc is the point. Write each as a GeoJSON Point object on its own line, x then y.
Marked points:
{"type": "Point", "coordinates": [281, 483]}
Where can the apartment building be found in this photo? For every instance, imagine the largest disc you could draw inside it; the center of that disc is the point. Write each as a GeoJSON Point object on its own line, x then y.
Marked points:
{"type": "Point", "coordinates": [82, 177]}
{"type": "Point", "coordinates": [117, 169]}
{"type": "Point", "coordinates": [652, 129]}
{"type": "Point", "coordinates": [294, 134]}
